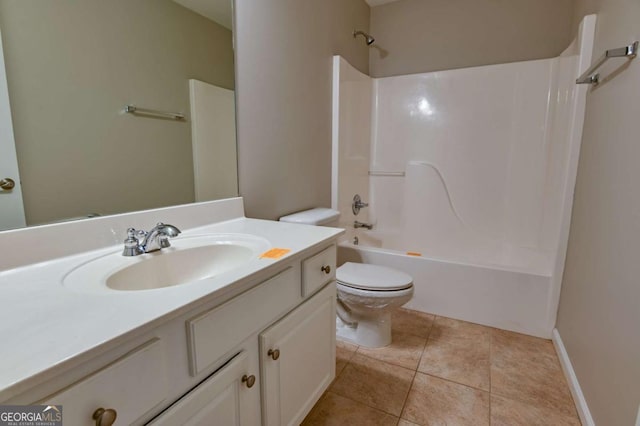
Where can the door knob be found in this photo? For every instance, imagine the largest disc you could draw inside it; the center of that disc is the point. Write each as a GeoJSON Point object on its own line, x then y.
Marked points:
{"type": "Point", "coordinates": [7, 184]}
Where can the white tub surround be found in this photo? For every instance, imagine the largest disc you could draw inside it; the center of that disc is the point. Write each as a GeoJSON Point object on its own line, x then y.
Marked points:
{"type": "Point", "coordinates": [473, 168]}
{"type": "Point", "coordinates": [352, 103]}
{"type": "Point", "coordinates": [53, 336]}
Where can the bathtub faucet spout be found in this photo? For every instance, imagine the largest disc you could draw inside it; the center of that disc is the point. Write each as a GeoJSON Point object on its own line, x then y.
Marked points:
{"type": "Point", "coordinates": [357, 225]}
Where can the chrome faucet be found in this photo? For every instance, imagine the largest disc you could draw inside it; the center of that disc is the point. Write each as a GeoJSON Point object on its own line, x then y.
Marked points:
{"type": "Point", "coordinates": [357, 225]}
{"type": "Point", "coordinates": [155, 239]}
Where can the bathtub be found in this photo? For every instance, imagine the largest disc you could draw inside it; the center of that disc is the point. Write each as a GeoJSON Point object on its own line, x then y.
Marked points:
{"type": "Point", "coordinates": [514, 296]}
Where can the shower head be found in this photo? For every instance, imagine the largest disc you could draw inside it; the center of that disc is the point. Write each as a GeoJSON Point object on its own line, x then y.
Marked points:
{"type": "Point", "coordinates": [367, 37]}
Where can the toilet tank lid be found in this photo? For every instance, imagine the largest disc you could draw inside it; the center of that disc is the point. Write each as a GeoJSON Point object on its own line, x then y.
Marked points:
{"type": "Point", "coordinates": [317, 216]}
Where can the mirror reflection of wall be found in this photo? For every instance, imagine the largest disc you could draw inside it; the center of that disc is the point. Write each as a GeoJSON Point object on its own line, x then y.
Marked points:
{"type": "Point", "coordinates": [72, 66]}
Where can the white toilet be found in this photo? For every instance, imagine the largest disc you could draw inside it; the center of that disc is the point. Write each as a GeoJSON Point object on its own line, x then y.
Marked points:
{"type": "Point", "coordinates": [367, 294]}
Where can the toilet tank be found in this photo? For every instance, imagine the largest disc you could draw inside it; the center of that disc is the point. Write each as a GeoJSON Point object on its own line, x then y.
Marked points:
{"type": "Point", "coordinates": [319, 216]}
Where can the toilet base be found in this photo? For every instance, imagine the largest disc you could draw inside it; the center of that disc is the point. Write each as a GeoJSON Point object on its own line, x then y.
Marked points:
{"type": "Point", "coordinates": [370, 332]}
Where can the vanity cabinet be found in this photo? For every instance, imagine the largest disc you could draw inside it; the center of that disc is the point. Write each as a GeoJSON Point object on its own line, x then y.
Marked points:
{"type": "Point", "coordinates": [262, 355]}
{"type": "Point", "coordinates": [297, 357]}
{"type": "Point", "coordinates": [259, 352]}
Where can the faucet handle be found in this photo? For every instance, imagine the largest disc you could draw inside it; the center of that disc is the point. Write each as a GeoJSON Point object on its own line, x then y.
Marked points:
{"type": "Point", "coordinates": [132, 244]}
{"type": "Point", "coordinates": [131, 234]}
{"type": "Point", "coordinates": [357, 204]}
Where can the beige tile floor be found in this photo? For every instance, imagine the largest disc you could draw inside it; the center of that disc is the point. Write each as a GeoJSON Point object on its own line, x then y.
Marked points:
{"type": "Point", "coordinates": [440, 371]}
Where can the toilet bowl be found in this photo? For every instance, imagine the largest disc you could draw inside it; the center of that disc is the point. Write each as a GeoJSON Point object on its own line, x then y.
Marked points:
{"type": "Point", "coordinates": [367, 294]}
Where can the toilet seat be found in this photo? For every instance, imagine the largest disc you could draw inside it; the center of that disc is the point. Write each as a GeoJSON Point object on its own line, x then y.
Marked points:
{"type": "Point", "coordinates": [366, 277]}
{"type": "Point", "coordinates": [371, 298]}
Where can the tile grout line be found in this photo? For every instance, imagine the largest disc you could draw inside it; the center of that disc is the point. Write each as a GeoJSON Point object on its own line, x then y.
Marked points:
{"type": "Point", "coordinates": [363, 403]}
{"type": "Point", "coordinates": [490, 392]}
{"type": "Point", "coordinates": [342, 370]}
{"type": "Point", "coordinates": [447, 379]}
{"type": "Point", "coordinates": [454, 382]}
{"type": "Point", "coordinates": [516, 398]}
{"type": "Point", "coordinates": [406, 398]}
{"type": "Point", "coordinates": [415, 373]}
{"type": "Point", "coordinates": [393, 364]}
{"type": "Point", "coordinates": [360, 402]}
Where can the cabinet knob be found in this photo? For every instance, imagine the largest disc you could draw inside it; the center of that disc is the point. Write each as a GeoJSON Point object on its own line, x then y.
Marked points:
{"type": "Point", "coordinates": [326, 269]}
{"type": "Point", "coordinates": [274, 354]}
{"type": "Point", "coordinates": [249, 380]}
{"type": "Point", "coordinates": [105, 417]}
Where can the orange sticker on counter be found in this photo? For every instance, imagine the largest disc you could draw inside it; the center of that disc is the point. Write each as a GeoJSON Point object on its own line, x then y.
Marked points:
{"type": "Point", "coordinates": [274, 253]}
{"type": "Point", "coordinates": [414, 253]}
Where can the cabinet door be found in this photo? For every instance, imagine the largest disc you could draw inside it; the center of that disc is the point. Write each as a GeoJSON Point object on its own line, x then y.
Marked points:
{"type": "Point", "coordinates": [297, 358]}
{"type": "Point", "coordinates": [222, 399]}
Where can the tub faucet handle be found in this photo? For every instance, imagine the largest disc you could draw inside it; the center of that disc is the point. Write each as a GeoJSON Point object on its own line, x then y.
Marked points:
{"type": "Point", "coordinates": [358, 204]}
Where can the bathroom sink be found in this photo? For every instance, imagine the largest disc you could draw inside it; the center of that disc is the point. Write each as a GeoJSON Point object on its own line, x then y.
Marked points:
{"type": "Point", "coordinates": [189, 259]}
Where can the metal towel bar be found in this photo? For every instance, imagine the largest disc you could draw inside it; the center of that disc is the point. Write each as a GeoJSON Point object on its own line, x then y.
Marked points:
{"type": "Point", "coordinates": [591, 77]}
{"type": "Point", "coordinates": [132, 109]}
{"type": "Point", "coordinates": [380, 173]}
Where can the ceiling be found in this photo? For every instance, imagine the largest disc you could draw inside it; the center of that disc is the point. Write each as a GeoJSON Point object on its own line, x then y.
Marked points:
{"type": "Point", "coordinates": [217, 10]}
{"type": "Point", "coordinates": [220, 11]}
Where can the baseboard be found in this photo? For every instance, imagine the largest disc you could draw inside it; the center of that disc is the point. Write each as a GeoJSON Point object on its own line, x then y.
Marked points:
{"type": "Point", "coordinates": [574, 386]}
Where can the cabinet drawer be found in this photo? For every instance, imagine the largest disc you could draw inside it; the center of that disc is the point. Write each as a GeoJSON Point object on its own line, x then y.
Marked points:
{"type": "Point", "coordinates": [318, 270]}
{"type": "Point", "coordinates": [131, 386]}
{"type": "Point", "coordinates": [214, 333]}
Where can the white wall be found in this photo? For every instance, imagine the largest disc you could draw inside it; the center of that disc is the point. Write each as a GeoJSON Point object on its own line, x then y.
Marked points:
{"type": "Point", "coordinates": [599, 311]}
{"type": "Point", "coordinates": [284, 51]}
{"type": "Point", "coordinates": [414, 36]}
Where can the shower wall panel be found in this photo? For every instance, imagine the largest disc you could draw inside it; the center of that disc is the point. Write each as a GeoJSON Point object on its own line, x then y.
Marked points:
{"type": "Point", "coordinates": [492, 140]}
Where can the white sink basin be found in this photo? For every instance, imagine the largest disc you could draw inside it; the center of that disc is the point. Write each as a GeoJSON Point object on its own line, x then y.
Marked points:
{"type": "Point", "coordinates": [189, 259]}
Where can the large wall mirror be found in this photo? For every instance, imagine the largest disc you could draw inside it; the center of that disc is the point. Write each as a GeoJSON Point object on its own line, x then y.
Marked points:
{"type": "Point", "coordinates": [71, 68]}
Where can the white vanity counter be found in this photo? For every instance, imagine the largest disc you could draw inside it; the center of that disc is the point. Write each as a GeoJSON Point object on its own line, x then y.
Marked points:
{"type": "Point", "coordinates": [46, 328]}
